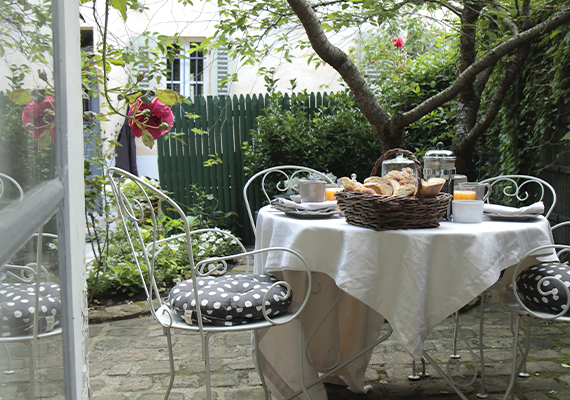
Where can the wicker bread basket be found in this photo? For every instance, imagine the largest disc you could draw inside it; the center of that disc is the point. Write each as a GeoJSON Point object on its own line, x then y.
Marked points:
{"type": "Point", "coordinates": [393, 212]}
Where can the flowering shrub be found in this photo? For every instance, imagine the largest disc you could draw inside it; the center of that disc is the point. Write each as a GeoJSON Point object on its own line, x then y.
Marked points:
{"type": "Point", "coordinates": [398, 42]}
{"type": "Point", "coordinates": [150, 120]}
{"type": "Point", "coordinates": [39, 119]}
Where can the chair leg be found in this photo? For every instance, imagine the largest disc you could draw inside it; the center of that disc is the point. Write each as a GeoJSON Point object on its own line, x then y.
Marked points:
{"type": "Point", "coordinates": [32, 353]}
{"type": "Point", "coordinates": [523, 373]}
{"type": "Point", "coordinates": [9, 370]}
{"type": "Point", "coordinates": [258, 365]}
{"type": "Point", "coordinates": [170, 359]}
{"type": "Point", "coordinates": [483, 393]}
{"type": "Point", "coordinates": [302, 350]}
{"type": "Point", "coordinates": [206, 356]}
{"type": "Point", "coordinates": [455, 336]}
{"type": "Point", "coordinates": [522, 370]}
{"type": "Point", "coordinates": [515, 371]}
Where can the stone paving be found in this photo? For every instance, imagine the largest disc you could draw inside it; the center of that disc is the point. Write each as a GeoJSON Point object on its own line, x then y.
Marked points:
{"type": "Point", "coordinates": [128, 360]}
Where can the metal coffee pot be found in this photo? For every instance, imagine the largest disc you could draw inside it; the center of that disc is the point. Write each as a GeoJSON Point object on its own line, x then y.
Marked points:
{"type": "Point", "coordinates": [440, 163]}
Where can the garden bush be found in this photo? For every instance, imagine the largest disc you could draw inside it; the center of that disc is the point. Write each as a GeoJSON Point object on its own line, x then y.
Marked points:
{"type": "Point", "coordinates": [116, 275]}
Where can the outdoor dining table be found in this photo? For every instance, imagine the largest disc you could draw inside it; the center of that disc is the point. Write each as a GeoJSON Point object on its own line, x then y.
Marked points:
{"type": "Point", "coordinates": [413, 278]}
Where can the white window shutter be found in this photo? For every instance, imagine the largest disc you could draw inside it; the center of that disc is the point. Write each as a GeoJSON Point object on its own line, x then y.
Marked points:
{"type": "Point", "coordinates": [141, 47]}
{"type": "Point", "coordinates": [221, 67]}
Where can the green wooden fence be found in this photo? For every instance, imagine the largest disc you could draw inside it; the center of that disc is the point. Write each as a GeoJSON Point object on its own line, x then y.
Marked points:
{"type": "Point", "coordinates": [227, 121]}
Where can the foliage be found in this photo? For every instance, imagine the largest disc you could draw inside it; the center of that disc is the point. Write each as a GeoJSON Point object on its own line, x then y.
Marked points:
{"type": "Point", "coordinates": [405, 78]}
{"type": "Point", "coordinates": [26, 28]}
{"type": "Point", "coordinates": [204, 212]}
{"type": "Point", "coordinates": [338, 138]}
{"type": "Point", "coordinates": [116, 271]}
{"type": "Point", "coordinates": [535, 112]}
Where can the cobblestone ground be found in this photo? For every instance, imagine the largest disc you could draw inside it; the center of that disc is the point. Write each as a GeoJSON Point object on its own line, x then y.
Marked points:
{"type": "Point", "coordinates": [128, 360]}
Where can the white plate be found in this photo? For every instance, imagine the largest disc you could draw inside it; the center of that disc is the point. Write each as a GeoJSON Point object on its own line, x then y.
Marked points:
{"type": "Point", "coordinates": [510, 217]}
{"type": "Point", "coordinates": [312, 214]}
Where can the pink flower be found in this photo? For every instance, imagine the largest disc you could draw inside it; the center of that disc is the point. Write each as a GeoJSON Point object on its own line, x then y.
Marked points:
{"type": "Point", "coordinates": [38, 118]}
{"type": "Point", "coordinates": [398, 42]}
{"type": "Point", "coordinates": [157, 121]}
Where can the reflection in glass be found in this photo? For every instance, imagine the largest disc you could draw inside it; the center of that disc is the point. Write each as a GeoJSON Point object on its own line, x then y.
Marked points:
{"type": "Point", "coordinates": [31, 351]}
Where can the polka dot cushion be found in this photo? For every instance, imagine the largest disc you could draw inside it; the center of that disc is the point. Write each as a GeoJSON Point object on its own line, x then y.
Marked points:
{"type": "Point", "coordinates": [17, 301]}
{"type": "Point", "coordinates": [228, 300]}
{"type": "Point", "coordinates": [527, 287]}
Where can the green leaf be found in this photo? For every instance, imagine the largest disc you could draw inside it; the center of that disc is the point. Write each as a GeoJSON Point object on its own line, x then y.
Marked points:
{"type": "Point", "coordinates": [168, 97]}
{"type": "Point", "coordinates": [45, 139]}
{"type": "Point", "coordinates": [198, 131]}
{"type": "Point", "coordinates": [102, 117]}
{"type": "Point", "coordinates": [131, 98]}
{"type": "Point", "coordinates": [20, 97]}
{"type": "Point", "coordinates": [118, 62]}
{"type": "Point", "coordinates": [147, 139]}
{"type": "Point", "coordinates": [121, 6]}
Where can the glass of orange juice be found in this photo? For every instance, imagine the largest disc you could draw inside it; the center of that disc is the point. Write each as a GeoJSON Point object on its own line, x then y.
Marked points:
{"type": "Point", "coordinates": [464, 194]}
{"type": "Point", "coordinates": [330, 191]}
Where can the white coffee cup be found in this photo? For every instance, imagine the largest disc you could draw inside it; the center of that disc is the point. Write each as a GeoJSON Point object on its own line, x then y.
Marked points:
{"type": "Point", "coordinates": [467, 211]}
{"type": "Point", "coordinates": [311, 191]}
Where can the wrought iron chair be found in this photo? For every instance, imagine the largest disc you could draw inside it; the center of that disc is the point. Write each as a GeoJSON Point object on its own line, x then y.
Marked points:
{"type": "Point", "coordinates": [520, 190]}
{"type": "Point", "coordinates": [26, 314]}
{"type": "Point", "coordinates": [517, 191]}
{"type": "Point", "coordinates": [280, 180]}
{"type": "Point", "coordinates": [548, 284]}
{"type": "Point", "coordinates": [180, 311]}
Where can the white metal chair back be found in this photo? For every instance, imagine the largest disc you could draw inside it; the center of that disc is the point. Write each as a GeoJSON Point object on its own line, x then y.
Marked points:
{"type": "Point", "coordinates": [5, 182]}
{"type": "Point", "coordinates": [522, 188]}
{"type": "Point", "coordinates": [146, 244]}
{"type": "Point", "coordinates": [32, 281]}
{"type": "Point", "coordinates": [278, 180]}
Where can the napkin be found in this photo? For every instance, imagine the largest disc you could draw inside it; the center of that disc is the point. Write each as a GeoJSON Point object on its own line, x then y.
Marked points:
{"type": "Point", "coordinates": [536, 208]}
{"type": "Point", "coordinates": [284, 204]}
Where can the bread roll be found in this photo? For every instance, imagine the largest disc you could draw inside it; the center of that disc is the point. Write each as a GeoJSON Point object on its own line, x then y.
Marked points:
{"type": "Point", "coordinates": [395, 185]}
{"type": "Point", "coordinates": [364, 189]}
{"type": "Point", "coordinates": [349, 184]}
{"type": "Point", "coordinates": [407, 190]}
{"type": "Point", "coordinates": [384, 185]}
{"type": "Point", "coordinates": [403, 177]}
{"type": "Point", "coordinates": [432, 187]}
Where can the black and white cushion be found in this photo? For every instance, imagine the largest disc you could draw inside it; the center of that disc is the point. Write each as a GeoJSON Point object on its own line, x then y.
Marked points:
{"type": "Point", "coordinates": [17, 306]}
{"type": "Point", "coordinates": [229, 300]}
{"type": "Point", "coordinates": [527, 287]}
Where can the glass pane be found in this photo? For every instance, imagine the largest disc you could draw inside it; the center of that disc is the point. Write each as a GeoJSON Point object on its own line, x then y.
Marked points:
{"type": "Point", "coordinates": [200, 66]}
{"type": "Point", "coordinates": [27, 160]}
{"type": "Point", "coordinates": [175, 70]}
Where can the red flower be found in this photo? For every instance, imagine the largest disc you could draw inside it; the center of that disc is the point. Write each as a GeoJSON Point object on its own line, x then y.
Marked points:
{"type": "Point", "coordinates": [398, 42]}
{"type": "Point", "coordinates": [157, 121]}
{"type": "Point", "coordinates": [38, 118]}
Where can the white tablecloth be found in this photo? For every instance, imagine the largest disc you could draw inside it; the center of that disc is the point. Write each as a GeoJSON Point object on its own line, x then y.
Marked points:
{"type": "Point", "coordinates": [414, 278]}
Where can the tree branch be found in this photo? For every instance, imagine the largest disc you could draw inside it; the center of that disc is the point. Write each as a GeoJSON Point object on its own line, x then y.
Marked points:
{"type": "Point", "coordinates": [506, 81]}
{"type": "Point", "coordinates": [337, 59]}
{"type": "Point", "coordinates": [488, 60]}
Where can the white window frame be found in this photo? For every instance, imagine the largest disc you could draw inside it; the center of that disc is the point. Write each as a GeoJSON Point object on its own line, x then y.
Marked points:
{"type": "Point", "coordinates": [187, 79]}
